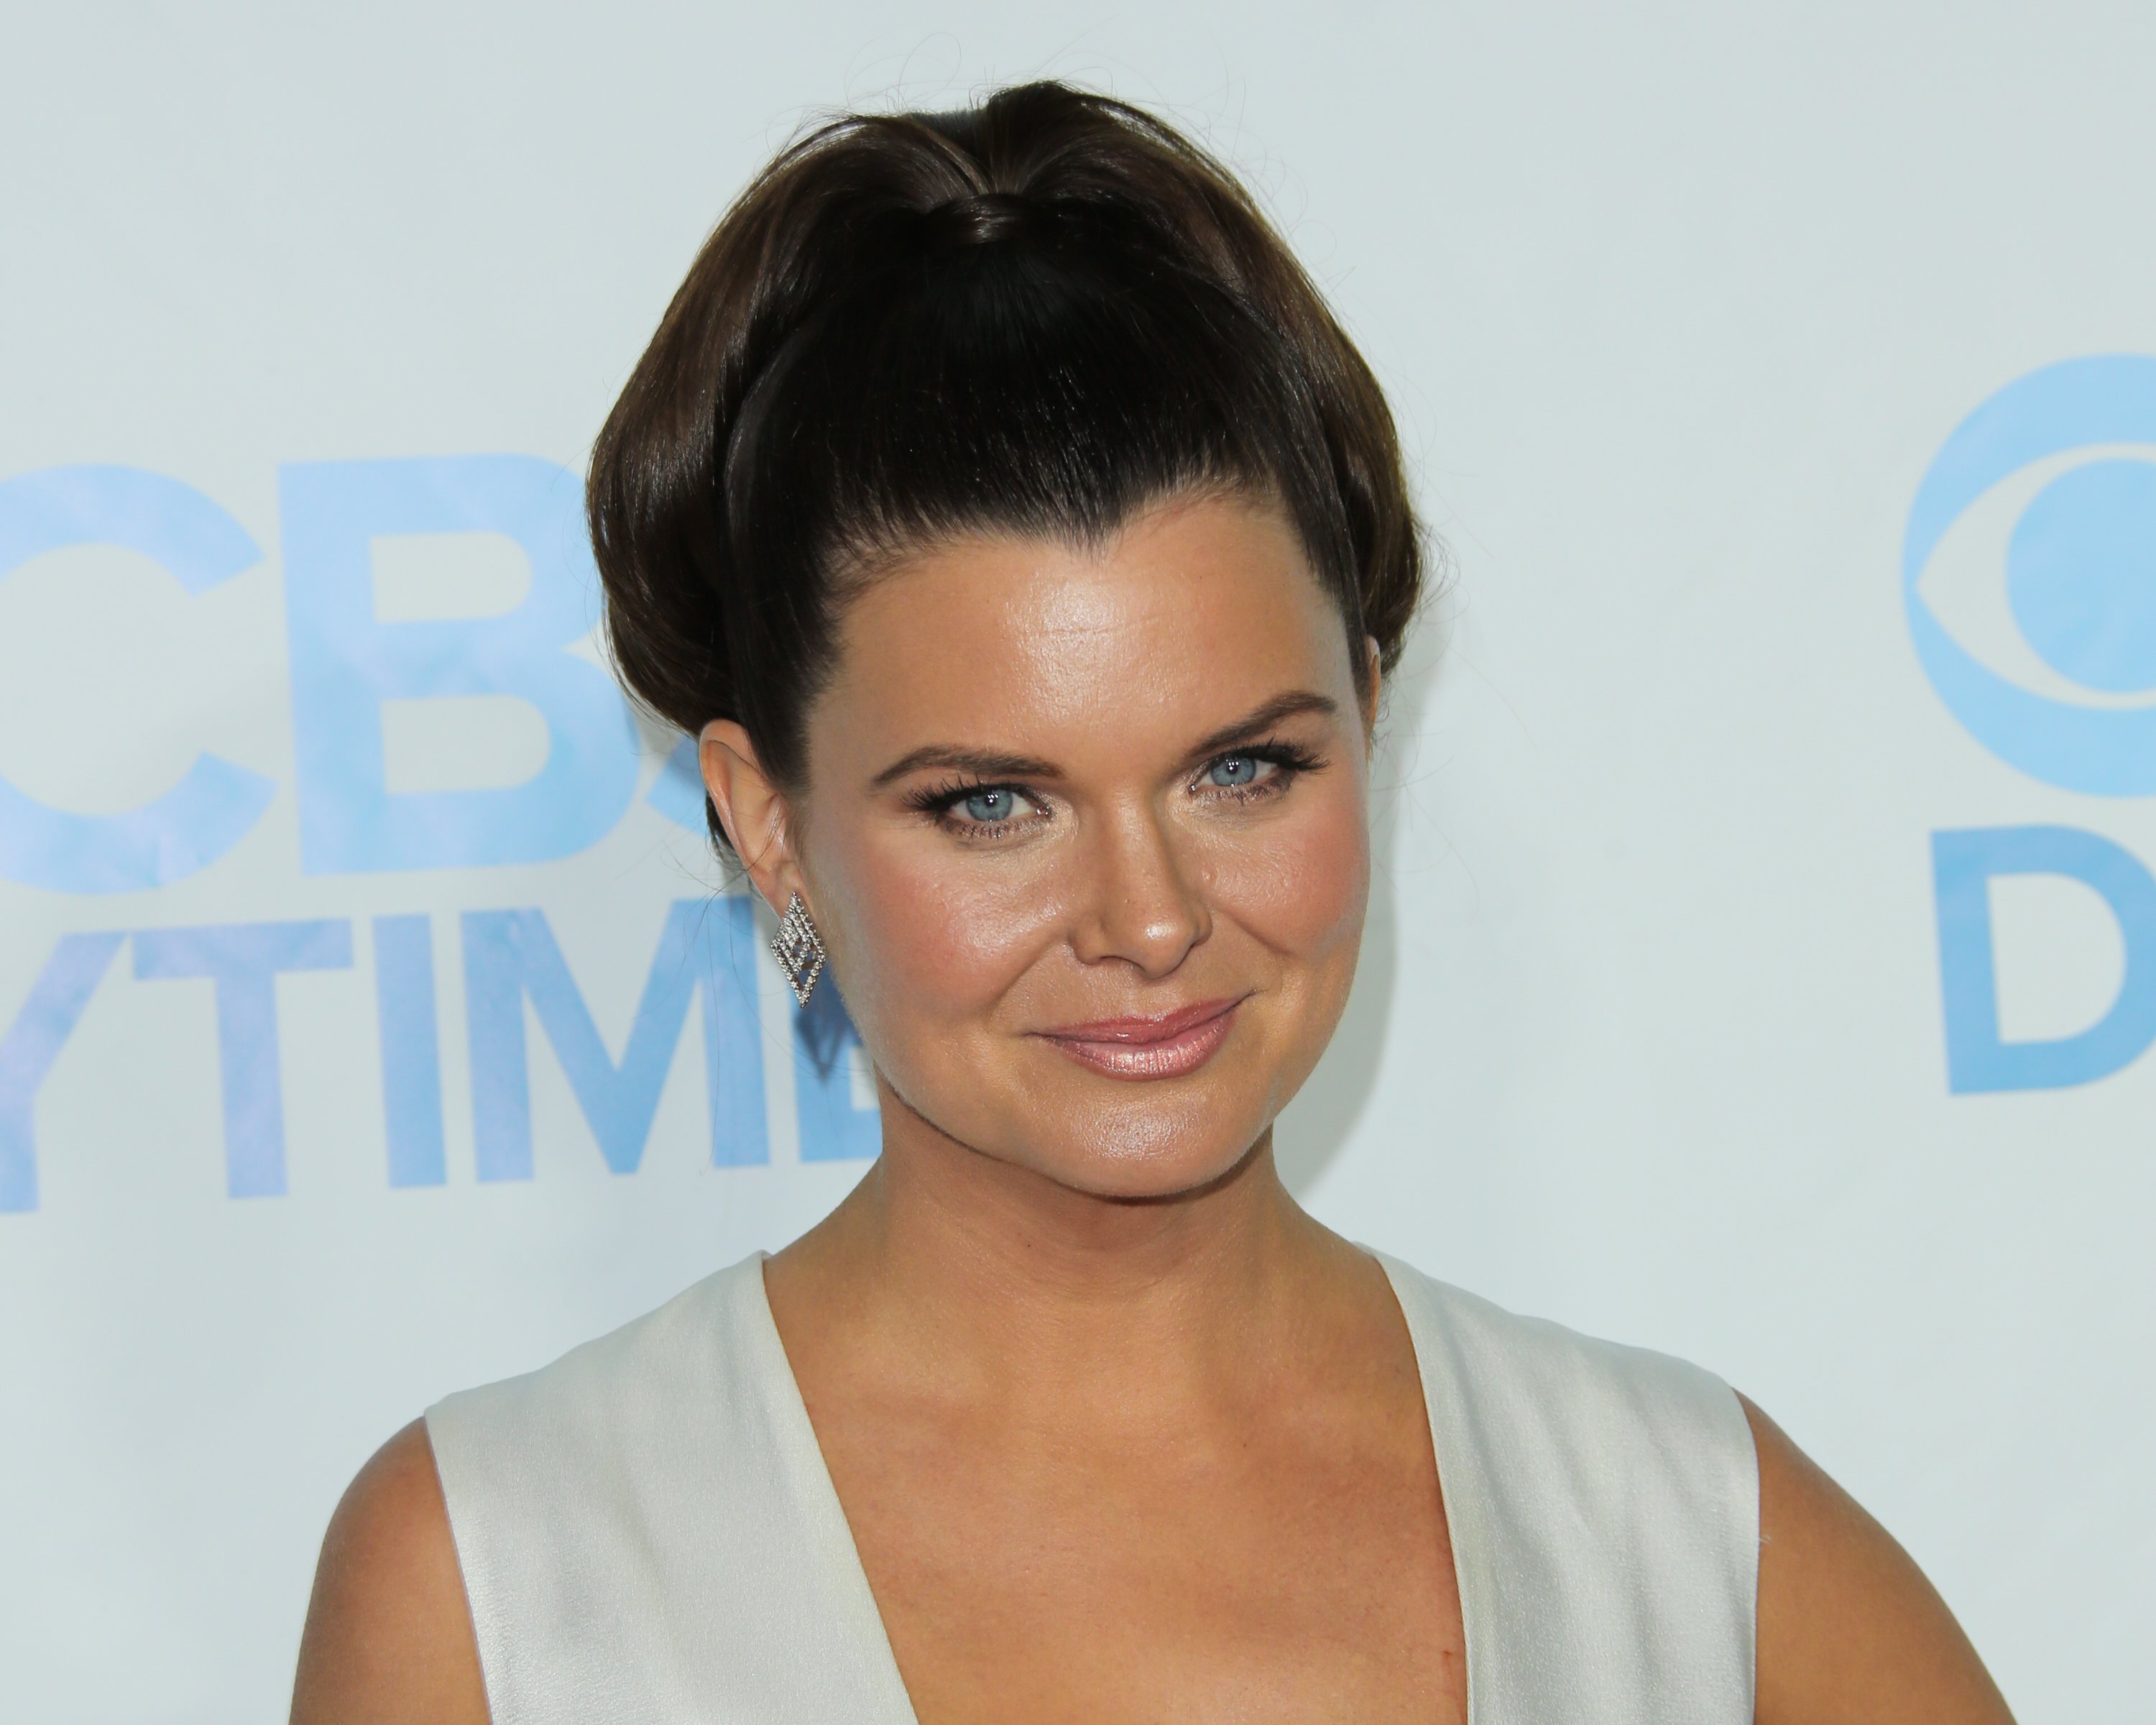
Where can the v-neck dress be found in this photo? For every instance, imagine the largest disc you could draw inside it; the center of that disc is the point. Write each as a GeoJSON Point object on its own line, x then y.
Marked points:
{"type": "Point", "coordinates": [648, 1535]}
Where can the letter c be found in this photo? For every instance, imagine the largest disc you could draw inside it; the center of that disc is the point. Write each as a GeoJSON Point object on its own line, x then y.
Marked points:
{"type": "Point", "coordinates": [214, 804]}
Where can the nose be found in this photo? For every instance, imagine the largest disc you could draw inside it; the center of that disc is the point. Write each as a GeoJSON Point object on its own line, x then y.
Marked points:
{"type": "Point", "coordinates": [1142, 904]}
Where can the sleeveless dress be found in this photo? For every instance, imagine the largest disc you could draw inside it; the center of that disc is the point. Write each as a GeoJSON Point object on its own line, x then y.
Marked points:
{"type": "Point", "coordinates": [648, 1535]}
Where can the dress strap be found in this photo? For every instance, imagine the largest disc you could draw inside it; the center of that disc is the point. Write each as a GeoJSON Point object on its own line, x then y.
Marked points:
{"type": "Point", "coordinates": [1603, 1503]}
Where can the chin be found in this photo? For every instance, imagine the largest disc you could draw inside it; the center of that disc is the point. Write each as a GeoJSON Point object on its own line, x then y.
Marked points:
{"type": "Point", "coordinates": [1146, 1153]}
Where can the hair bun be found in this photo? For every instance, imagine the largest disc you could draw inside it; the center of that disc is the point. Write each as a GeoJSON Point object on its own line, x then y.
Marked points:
{"type": "Point", "coordinates": [1035, 315]}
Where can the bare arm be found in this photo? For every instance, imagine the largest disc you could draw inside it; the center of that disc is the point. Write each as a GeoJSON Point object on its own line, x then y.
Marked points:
{"type": "Point", "coordinates": [1850, 1631]}
{"type": "Point", "coordinates": [389, 1638]}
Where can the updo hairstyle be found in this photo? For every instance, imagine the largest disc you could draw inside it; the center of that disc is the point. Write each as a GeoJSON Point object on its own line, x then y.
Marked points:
{"type": "Point", "coordinates": [1035, 317]}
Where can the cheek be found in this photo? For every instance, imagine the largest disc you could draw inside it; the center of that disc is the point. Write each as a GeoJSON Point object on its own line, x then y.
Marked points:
{"type": "Point", "coordinates": [1301, 891]}
{"type": "Point", "coordinates": [927, 942]}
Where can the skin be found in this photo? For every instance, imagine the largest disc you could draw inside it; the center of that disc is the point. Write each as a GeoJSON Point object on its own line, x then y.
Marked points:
{"type": "Point", "coordinates": [1197, 1480]}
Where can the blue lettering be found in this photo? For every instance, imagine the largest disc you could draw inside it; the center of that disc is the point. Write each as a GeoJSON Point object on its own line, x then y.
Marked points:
{"type": "Point", "coordinates": [33, 1043]}
{"type": "Point", "coordinates": [1963, 863]}
{"type": "Point", "coordinates": [244, 961]}
{"type": "Point", "coordinates": [678, 792]}
{"type": "Point", "coordinates": [215, 803]}
{"type": "Point", "coordinates": [346, 662]}
{"type": "Point", "coordinates": [834, 1128]}
{"type": "Point", "coordinates": [705, 949]}
{"type": "Point", "coordinates": [411, 1051]}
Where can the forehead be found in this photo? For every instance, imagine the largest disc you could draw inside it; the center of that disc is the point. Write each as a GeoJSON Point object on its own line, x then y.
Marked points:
{"type": "Point", "coordinates": [1195, 613]}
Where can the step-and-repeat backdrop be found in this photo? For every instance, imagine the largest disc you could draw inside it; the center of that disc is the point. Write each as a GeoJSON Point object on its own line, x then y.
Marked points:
{"type": "Point", "coordinates": [1764, 961]}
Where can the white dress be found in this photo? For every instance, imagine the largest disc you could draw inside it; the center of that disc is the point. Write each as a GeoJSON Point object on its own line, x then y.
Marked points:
{"type": "Point", "coordinates": [648, 1532]}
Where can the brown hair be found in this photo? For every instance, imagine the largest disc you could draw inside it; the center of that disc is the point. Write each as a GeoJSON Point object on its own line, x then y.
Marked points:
{"type": "Point", "coordinates": [1039, 315]}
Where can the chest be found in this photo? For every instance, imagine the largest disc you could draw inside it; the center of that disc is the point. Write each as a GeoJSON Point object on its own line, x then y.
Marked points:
{"type": "Point", "coordinates": [1290, 1567]}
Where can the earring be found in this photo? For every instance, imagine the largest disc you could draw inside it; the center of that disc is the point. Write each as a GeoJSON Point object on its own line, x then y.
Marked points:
{"type": "Point", "coordinates": [799, 952]}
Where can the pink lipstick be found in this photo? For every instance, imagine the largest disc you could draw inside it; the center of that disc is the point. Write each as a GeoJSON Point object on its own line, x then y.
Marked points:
{"type": "Point", "coordinates": [1164, 1045]}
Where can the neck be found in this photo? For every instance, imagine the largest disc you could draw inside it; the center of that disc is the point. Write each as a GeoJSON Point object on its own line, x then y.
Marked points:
{"type": "Point", "coordinates": [996, 1277]}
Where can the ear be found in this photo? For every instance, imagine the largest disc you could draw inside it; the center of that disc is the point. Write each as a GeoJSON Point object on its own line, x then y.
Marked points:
{"type": "Point", "coordinates": [751, 810]}
{"type": "Point", "coordinates": [1373, 682]}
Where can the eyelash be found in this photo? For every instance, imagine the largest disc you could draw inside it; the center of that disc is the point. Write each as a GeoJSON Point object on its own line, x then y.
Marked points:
{"type": "Point", "coordinates": [1290, 759]}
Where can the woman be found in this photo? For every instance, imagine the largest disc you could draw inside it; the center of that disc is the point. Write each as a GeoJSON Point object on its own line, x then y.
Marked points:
{"type": "Point", "coordinates": [1026, 545]}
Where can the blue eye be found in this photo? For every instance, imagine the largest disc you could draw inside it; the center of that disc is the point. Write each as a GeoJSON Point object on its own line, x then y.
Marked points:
{"type": "Point", "coordinates": [1233, 770]}
{"type": "Point", "coordinates": [988, 805]}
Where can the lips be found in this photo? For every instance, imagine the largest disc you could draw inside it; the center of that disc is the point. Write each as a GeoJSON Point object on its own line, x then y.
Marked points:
{"type": "Point", "coordinates": [1163, 1046]}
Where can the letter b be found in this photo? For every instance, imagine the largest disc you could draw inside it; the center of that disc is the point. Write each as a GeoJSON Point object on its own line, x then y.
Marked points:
{"type": "Point", "coordinates": [346, 662]}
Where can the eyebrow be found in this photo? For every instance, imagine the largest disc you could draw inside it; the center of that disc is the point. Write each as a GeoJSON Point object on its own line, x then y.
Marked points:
{"type": "Point", "coordinates": [989, 764]}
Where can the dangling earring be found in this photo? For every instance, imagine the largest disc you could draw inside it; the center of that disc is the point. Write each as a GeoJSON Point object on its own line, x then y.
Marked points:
{"type": "Point", "coordinates": [799, 952]}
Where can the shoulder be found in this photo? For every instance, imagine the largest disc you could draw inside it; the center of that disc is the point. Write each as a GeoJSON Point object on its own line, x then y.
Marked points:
{"type": "Point", "coordinates": [395, 1623]}
{"type": "Point", "coordinates": [1848, 1627]}
{"type": "Point", "coordinates": [388, 1636]}
{"type": "Point", "coordinates": [589, 1500]}
{"type": "Point", "coordinates": [1527, 1380]}
{"type": "Point", "coordinates": [1604, 1508]}
{"type": "Point", "coordinates": [648, 1517]}
{"type": "Point", "coordinates": [1665, 1469]}
{"type": "Point", "coordinates": [614, 1391]}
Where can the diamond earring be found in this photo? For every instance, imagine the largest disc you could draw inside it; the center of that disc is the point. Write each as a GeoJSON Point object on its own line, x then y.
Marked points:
{"type": "Point", "coordinates": [799, 952]}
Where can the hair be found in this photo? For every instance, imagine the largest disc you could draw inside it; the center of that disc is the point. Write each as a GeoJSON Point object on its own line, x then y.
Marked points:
{"type": "Point", "coordinates": [1038, 316]}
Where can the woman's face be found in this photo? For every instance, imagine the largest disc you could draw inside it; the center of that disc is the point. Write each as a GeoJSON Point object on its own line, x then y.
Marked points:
{"type": "Point", "coordinates": [1086, 836]}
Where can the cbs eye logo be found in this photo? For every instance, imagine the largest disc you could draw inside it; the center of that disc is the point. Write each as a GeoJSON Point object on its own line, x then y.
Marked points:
{"type": "Point", "coordinates": [2052, 668]}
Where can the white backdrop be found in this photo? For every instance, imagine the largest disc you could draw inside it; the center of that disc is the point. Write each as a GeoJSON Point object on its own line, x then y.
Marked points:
{"type": "Point", "coordinates": [1679, 308]}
